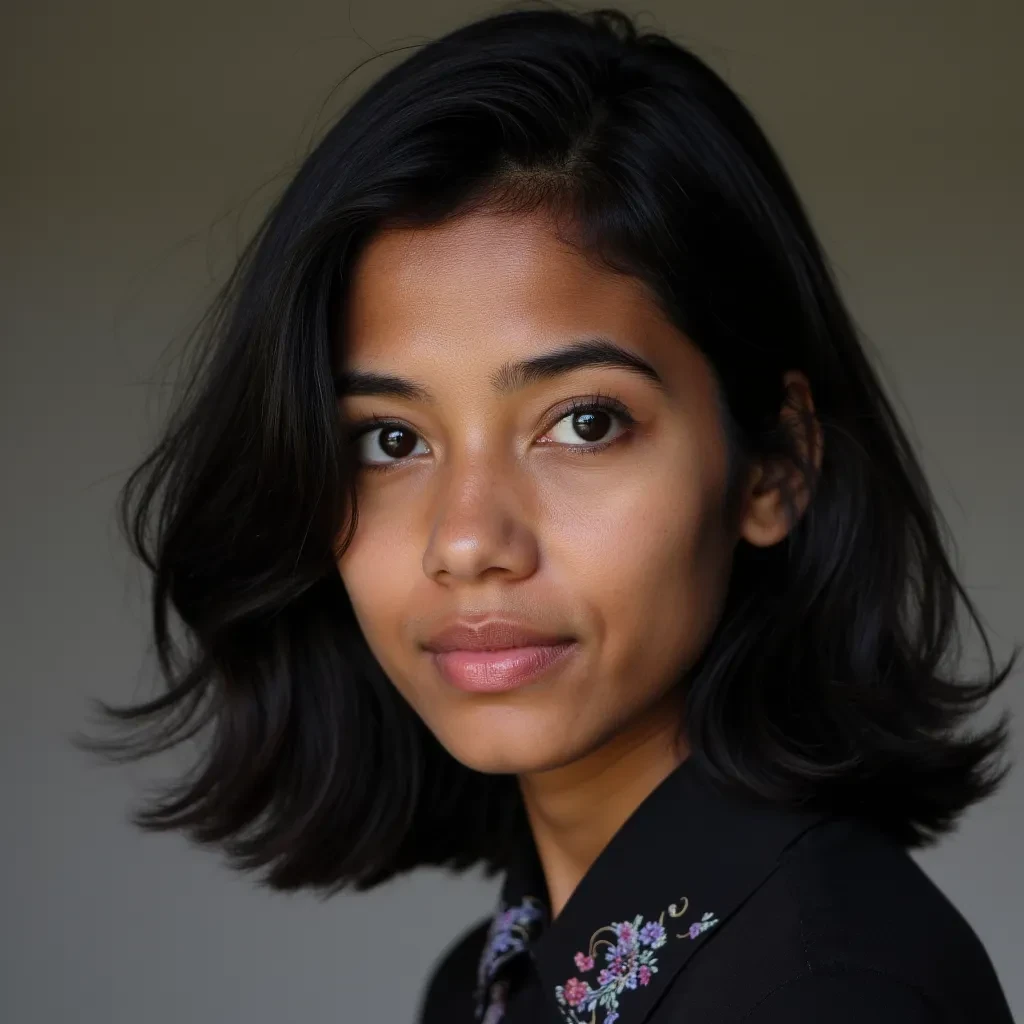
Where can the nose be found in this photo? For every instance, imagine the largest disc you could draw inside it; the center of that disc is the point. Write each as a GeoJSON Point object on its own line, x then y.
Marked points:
{"type": "Point", "coordinates": [478, 526]}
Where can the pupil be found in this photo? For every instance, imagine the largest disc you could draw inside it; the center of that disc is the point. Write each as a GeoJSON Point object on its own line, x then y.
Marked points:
{"type": "Point", "coordinates": [591, 426]}
{"type": "Point", "coordinates": [396, 442]}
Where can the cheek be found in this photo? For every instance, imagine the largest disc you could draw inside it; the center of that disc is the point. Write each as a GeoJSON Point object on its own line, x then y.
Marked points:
{"type": "Point", "coordinates": [648, 556]}
{"type": "Point", "coordinates": [376, 570]}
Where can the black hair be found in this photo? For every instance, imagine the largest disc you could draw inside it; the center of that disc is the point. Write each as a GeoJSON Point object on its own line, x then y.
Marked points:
{"type": "Point", "coordinates": [831, 678]}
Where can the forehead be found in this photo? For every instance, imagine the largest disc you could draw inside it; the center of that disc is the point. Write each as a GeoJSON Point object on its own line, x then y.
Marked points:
{"type": "Point", "coordinates": [485, 279]}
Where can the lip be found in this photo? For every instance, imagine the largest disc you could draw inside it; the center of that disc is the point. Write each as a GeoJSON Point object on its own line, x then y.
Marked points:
{"type": "Point", "coordinates": [496, 655]}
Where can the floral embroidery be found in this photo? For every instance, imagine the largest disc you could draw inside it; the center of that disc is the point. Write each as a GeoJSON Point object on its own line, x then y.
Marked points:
{"type": "Point", "coordinates": [630, 963]}
{"type": "Point", "coordinates": [510, 933]}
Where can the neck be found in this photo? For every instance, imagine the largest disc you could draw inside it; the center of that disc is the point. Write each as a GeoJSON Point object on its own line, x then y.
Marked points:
{"type": "Point", "coordinates": [575, 810]}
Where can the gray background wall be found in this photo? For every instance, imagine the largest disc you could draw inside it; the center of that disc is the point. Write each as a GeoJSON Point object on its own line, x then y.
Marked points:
{"type": "Point", "coordinates": [140, 143]}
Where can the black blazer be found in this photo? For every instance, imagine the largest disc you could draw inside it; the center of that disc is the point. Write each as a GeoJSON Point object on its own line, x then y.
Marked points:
{"type": "Point", "coordinates": [708, 908]}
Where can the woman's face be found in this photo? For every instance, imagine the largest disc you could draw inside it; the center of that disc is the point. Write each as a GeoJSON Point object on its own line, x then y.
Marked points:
{"type": "Point", "coordinates": [571, 499]}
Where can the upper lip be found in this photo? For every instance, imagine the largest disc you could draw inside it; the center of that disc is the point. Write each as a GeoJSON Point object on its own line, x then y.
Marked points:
{"type": "Point", "coordinates": [494, 634]}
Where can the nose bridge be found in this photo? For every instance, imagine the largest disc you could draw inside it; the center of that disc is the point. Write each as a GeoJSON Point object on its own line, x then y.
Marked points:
{"type": "Point", "coordinates": [477, 518]}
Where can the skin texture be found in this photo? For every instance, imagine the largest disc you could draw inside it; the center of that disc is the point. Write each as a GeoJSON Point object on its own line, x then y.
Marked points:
{"type": "Point", "coordinates": [497, 510]}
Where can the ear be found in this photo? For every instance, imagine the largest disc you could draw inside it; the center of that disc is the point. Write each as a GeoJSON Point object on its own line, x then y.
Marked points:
{"type": "Point", "coordinates": [778, 492]}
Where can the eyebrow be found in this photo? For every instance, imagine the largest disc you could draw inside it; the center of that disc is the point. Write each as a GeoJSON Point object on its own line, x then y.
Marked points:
{"type": "Point", "coordinates": [510, 376]}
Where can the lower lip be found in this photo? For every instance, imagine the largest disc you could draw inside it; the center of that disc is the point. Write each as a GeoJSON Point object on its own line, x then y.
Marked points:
{"type": "Point", "coordinates": [495, 671]}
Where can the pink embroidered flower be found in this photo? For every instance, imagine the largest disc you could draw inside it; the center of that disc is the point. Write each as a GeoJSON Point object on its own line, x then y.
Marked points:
{"type": "Point", "coordinates": [584, 963]}
{"type": "Point", "coordinates": [625, 933]}
{"type": "Point", "coordinates": [645, 974]}
{"type": "Point", "coordinates": [576, 991]}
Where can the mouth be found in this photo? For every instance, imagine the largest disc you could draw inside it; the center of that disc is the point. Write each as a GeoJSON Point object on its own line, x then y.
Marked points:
{"type": "Point", "coordinates": [493, 655]}
{"type": "Point", "coordinates": [494, 671]}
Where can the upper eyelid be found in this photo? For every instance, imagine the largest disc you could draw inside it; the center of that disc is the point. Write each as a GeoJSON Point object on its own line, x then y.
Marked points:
{"type": "Point", "coordinates": [606, 402]}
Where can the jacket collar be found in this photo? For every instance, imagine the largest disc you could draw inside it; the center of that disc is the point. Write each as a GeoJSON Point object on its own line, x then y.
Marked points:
{"type": "Point", "coordinates": [668, 880]}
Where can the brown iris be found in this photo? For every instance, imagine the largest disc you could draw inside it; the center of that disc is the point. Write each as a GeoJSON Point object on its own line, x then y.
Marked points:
{"type": "Point", "coordinates": [592, 424]}
{"type": "Point", "coordinates": [396, 442]}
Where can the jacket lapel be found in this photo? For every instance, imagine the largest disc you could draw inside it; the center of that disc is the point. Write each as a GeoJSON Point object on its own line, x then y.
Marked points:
{"type": "Point", "coordinates": [669, 880]}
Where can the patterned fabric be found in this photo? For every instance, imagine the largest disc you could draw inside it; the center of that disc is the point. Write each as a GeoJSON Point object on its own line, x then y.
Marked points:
{"type": "Point", "coordinates": [629, 953]}
{"type": "Point", "coordinates": [511, 931]}
{"type": "Point", "coordinates": [628, 949]}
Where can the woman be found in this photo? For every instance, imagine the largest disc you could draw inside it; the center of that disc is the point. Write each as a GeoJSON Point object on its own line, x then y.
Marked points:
{"type": "Point", "coordinates": [535, 506]}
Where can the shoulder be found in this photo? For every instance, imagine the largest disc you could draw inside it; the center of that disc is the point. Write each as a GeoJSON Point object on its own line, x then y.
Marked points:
{"type": "Point", "coordinates": [862, 897]}
{"type": "Point", "coordinates": [846, 922]}
{"type": "Point", "coordinates": [863, 915]}
{"type": "Point", "coordinates": [448, 993]}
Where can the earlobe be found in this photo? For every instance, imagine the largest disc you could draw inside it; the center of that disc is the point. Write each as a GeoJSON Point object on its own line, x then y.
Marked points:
{"type": "Point", "coordinates": [778, 492]}
{"type": "Point", "coordinates": [766, 519]}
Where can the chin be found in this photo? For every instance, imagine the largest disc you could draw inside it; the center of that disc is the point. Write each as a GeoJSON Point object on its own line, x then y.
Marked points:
{"type": "Point", "coordinates": [510, 745]}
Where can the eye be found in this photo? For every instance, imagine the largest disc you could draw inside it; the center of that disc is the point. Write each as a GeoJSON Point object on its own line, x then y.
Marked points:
{"type": "Point", "coordinates": [589, 425]}
{"type": "Point", "coordinates": [389, 442]}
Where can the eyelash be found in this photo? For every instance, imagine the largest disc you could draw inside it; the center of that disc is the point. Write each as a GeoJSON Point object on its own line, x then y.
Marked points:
{"type": "Point", "coordinates": [597, 402]}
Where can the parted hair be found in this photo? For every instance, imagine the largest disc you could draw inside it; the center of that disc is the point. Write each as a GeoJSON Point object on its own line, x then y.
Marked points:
{"type": "Point", "coordinates": [833, 678]}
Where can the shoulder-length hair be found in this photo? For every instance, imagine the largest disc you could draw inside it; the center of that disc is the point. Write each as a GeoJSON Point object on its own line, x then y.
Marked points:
{"type": "Point", "coordinates": [828, 681]}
